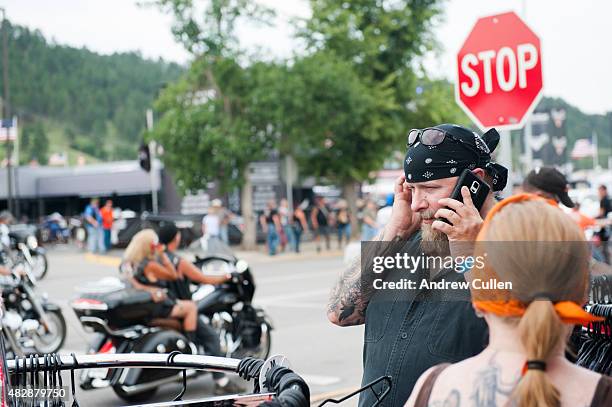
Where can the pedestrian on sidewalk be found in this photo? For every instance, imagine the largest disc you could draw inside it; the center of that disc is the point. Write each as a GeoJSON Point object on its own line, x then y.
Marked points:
{"type": "Point", "coordinates": [286, 220]}
{"type": "Point", "coordinates": [270, 223]}
{"type": "Point", "coordinates": [225, 216]}
{"type": "Point", "coordinates": [107, 223]}
{"type": "Point", "coordinates": [299, 224]}
{"type": "Point", "coordinates": [320, 219]}
{"type": "Point", "coordinates": [93, 226]}
{"type": "Point", "coordinates": [211, 228]}
{"type": "Point", "coordinates": [343, 222]}
{"type": "Point", "coordinates": [369, 228]}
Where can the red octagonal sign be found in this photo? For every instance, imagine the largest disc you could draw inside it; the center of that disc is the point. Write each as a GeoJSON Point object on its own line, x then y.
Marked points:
{"type": "Point", "coordinates": [499, 72]}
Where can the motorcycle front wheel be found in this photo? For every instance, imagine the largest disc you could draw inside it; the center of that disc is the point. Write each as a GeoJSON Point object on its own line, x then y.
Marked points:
{"type": "Point", "coordinates": [39, 265]}
{"type": "Point", "coordinates": [51, 341]}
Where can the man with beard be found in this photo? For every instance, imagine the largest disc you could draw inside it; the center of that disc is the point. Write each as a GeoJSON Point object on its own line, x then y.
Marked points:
{"type": "Point", "coordinates": [408, 331]}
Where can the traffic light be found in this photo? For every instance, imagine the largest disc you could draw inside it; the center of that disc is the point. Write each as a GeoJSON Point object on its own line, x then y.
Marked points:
{"type": "Point", "coordinates": [144, 157]}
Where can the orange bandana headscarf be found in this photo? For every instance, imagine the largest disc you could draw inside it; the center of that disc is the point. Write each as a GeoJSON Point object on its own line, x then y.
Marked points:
{"type": "Point", "coordinates": [568, 311]}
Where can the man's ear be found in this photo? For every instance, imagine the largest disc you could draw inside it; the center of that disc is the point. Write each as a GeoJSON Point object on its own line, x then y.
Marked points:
{"type": "Point", "coordinates": [479, 172]}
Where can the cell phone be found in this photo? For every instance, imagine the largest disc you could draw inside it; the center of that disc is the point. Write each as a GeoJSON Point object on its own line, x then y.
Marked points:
{"type": "Point", "coordinates": [479, 190]}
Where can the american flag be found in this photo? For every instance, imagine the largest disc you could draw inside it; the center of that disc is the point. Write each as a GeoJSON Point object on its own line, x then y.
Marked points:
{"type": "Point", "coordinates": [583, 148]}
{"type": "Point", "coordinates": [8, 128]}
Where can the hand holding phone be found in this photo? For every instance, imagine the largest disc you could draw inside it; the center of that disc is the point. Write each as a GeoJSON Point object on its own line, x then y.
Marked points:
{"type": "Point", "coordinates": [479, 190]}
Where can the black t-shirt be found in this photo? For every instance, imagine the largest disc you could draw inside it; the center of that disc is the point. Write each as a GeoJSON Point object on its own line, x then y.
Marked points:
{"type": "Point", "coordinates": [322, 214]}
{"type": "Point", "coordinates": [270, 216]}
{"type": "Point", "coordinates": [178, 289]}
{"type": "Point", "coordinates": [606, 205]}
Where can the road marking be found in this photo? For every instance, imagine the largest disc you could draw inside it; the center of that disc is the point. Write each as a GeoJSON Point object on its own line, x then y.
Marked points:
{"type": "Point", "coordinates": [104, 260]}
{"type": "Point", "coordinates": [332, 394]}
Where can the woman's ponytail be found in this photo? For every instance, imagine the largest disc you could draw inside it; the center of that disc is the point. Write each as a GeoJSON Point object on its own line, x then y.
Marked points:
{"type": "Point", "coordinates": [539, 329]}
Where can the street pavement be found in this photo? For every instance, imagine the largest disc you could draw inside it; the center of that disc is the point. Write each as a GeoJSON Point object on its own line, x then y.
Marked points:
{"type": "Point", "coordinates": [293, 288]}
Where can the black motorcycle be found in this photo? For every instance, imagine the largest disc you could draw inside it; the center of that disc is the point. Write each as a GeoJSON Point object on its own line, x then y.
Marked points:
{"type": "Point", "coordinates": [119, 315]}
{"type": "Point", "coordinates": [33, 323]}
{"type": "Point", "coordinates": [24, 248]}
{"type": "Point", "coordinates": [243, 328]}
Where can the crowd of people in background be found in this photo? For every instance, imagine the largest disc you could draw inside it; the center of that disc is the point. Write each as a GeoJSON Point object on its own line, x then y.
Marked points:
{"type": "Point", "coordinates": [284, 227]}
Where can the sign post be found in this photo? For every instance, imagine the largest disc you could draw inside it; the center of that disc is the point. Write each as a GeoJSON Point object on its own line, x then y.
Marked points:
{"type": "Point", "coordinates": [499, 77]}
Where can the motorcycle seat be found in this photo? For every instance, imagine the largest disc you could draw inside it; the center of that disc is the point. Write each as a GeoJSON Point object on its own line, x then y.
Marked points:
{"type": "Point", "coordinates": [121, 298]}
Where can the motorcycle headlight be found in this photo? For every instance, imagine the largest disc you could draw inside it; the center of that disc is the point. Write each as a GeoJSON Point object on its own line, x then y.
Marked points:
{"type": "Point", "coordinates": [242, 266]}
{"type": "Point", "coordinates": [32, 242]}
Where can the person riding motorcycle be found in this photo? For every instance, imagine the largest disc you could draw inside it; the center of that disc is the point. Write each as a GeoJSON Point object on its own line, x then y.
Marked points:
{"type": "Point", "coordinates": [146, 267]}
{"type": "Point", "coordinates": [170, 236]}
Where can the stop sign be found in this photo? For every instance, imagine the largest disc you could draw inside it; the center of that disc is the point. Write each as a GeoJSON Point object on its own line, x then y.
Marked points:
{"type": "Point", "coordinates": [499, 72]}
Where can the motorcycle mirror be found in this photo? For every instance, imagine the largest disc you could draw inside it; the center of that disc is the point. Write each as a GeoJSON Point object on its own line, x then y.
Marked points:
{"type": "Point", "coordinates": [242, 266]}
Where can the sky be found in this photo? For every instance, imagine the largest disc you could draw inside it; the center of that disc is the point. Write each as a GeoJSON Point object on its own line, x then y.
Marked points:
{"type": "Point", "coordinates": [575, 36]}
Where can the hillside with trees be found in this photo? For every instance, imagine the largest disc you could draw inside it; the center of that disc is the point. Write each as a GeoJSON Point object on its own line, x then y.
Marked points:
{"type": "Point", "coordinates": [74, 100]}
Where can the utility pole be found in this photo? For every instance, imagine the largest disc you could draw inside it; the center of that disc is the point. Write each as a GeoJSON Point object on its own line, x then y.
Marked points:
{"type": "Point", "coordinates": [6, 112]}
{"type": "Point", "coordinates": [153, 155]}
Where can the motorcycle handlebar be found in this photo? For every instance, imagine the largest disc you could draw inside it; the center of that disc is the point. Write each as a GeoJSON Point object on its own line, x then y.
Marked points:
{"type": "Point", "coordinates": [141, 360]}
{"type": "Point", "coordinates": [291, 390]}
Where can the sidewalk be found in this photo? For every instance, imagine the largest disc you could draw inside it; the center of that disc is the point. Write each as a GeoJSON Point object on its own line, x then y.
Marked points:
{"type": "Point", "coordinates": [307, 251]}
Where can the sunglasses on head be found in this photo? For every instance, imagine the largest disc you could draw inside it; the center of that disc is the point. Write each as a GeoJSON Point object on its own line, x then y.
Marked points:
{"type": "Point", "coordinates": [432, 137]}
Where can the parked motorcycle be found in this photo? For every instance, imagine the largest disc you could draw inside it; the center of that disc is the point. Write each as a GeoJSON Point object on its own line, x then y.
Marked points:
{"type": "Point", "coordinates": [24, 247]}
{"type": "Point", "coordinates": [33, 323]}
{"type": "Point", "coordinates": [54, 229]}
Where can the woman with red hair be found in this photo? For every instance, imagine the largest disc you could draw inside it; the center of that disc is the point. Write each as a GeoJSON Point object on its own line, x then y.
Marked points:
{"type": "Point", "coordinates": [542, 252]}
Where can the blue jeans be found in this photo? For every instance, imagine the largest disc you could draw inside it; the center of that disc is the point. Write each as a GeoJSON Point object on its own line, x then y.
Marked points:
{"type": "Point", "coordinates": [289, 232]}
{"type": "Point", "coordinates": [273, 240]}
{"type": "Point", "coordinates": [297, 234]}
{"type": "Point", "coordinates": [107, 239]}
{"type": "Point", "coordinates": [368, 232]}
{"type": "Point", "coordinates": [94, 239]}
{"type": "Point", "coordinates": [224, 234]}
{"type": "Point", "coordinates": [344, 229]}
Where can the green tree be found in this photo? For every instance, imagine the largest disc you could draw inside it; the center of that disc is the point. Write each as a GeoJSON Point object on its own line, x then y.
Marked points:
{"type": "Point", "coordinates": [360, 86]}
{"type": "Point", "coordinates": [337, 124]}
{"type": "Point", "coordinates": [214, 121]}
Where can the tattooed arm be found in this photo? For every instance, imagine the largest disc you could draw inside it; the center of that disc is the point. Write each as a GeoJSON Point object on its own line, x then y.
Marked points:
{"type": "Point", "coordinates": [350, 296]}
{"type": "Point", "coordinates": [347, 305]}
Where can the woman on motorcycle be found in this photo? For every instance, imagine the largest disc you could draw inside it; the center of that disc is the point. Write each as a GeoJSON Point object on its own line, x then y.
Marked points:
{"type": "Point", "coordinates": [148, 268]}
